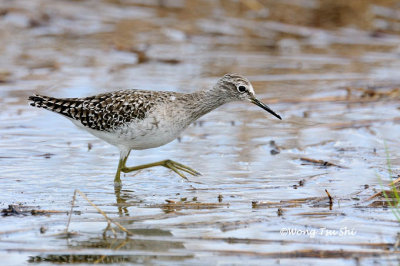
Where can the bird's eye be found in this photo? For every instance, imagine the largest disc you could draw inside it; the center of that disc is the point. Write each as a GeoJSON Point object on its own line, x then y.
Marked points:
{"type": "Point", "coordinates": [241, 88]}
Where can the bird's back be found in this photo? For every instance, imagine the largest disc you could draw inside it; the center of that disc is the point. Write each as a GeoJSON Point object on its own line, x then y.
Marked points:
{"type": "Point", "coordinates": [104, 112]}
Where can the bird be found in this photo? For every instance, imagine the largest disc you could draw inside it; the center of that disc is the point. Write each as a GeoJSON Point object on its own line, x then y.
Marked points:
{"type": "Point", "coordinates": [143, 119]}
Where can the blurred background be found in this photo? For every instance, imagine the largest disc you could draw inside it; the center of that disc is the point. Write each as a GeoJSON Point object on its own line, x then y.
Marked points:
{"type": "Point", "coordinates": [87, 46]}
{"type": "Point", "coordinates": [330, 68]}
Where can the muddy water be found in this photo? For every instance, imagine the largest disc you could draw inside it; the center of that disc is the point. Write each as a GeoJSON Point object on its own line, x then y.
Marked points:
{"type": "Point", "coordinates": [262, 195]}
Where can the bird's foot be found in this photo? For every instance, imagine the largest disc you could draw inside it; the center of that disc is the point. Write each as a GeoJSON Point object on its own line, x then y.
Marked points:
{"type": "Point", "coordinates": [174, 166]}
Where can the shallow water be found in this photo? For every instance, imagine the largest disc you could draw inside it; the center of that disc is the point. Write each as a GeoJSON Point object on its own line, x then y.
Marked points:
{"type": "Point", "coordinates": [316, 78]}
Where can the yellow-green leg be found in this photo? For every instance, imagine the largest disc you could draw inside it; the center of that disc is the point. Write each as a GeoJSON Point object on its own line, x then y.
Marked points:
{"type": "Point", "coordinates": [174, 166]}
{"type": "Point", "coordinates": [121, 164]}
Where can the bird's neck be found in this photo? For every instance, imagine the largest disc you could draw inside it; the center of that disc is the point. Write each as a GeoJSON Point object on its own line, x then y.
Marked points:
{"type": "Point", "coordinates": [203, 102]}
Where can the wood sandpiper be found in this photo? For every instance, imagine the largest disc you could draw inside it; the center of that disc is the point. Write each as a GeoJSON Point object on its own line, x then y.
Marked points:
{"type": "Point", "coordinates": [140, 119]}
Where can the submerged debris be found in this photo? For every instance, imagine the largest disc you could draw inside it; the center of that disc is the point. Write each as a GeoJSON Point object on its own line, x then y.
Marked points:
{"type": "Point", "coordinates": [330, 199]}
{"type": "Point", "coordinates": [47, 155]}
{"type": "Point", "coordinates": [320, 163]}
{"type": "Point", "coordinates": [110, 221]}
{"type": "Point", "coordinates": [220, 197]}
{"type": "Point", "coordinates": [27, 210]}
{"type": "Point", "coordinates": [293, 203]}
{"type": "Point", "coordinates": [5, 76]}
{"type": "Point", "coordinates": [375, 94]}
{"type": "Point", "coordinates": [389, 193]}
{"type": "Point", "coordinates": [13, 210]}
{"type": "Point", "coordinates": [270, 204]}
{"type": "Point", "coordinates": [173, 205]}
{"type": "Point", "coordinates": [275, 149]}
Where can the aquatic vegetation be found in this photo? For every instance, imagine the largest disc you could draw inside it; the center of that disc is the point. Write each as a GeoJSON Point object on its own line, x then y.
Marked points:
{"type": "Point", "coordinates": [392, 196]}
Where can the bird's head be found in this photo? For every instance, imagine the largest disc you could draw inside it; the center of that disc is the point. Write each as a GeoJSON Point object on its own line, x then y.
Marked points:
{"type": "Point", "coordinates": [237, 87]}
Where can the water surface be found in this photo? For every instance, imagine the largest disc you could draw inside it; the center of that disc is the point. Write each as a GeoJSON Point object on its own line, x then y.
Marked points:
{"type": "Point", "coordinates": [336, 89]}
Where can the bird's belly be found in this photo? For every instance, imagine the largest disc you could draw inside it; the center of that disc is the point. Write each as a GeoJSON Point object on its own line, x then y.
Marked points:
{"type": "Point", "coordinates": [148, 133]}
{"type": "Point", "coordinates": [151, 138]}
{"type": "Point", "coordinates": [151, 132]}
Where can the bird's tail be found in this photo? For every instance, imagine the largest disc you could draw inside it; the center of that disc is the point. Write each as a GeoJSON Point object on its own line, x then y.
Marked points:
{"type": "Point", "coordinates": [44, 102]}
{"type": "Point", "coordinates": [60, 106]}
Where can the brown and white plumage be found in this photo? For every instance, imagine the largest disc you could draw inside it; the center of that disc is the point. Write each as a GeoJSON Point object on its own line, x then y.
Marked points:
{"type": "Point", "coordinates": [104, 112]}
{"type": "Point", "coordinates": [139, 119]}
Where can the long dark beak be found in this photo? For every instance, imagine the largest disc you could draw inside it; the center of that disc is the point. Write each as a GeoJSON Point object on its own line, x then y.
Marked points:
{"type": "Point", "coordinates": [265, 107]}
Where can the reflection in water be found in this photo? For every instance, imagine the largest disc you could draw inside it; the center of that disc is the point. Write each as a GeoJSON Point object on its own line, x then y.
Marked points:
{"type": "Point", "coordinates": [121, 201]}
{"type": "Point", "coordinates": [129, 250]}
{"type": "Point", "coordinates": [105, 259]}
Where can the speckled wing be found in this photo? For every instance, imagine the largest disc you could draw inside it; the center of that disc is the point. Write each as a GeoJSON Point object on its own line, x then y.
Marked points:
{"type": "Point", "coordinates": [103, 112]}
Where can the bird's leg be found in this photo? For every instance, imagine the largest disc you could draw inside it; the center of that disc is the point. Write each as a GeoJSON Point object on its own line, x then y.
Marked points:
{"type": "Point", "coordinates": [174, 166]}
{"type": "Point", "coordinates": [121, 164]}
{"type": "Point", "coordinates": [117, 179]}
